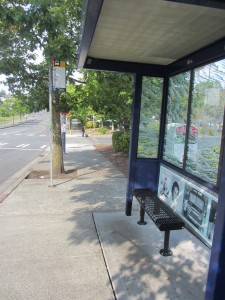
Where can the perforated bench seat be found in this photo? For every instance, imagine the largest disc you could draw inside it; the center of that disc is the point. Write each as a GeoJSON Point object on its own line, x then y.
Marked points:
{"type": "Point", "coordinates": [159, 212]}
{"type": "Point", "coordinates": [162, 215]}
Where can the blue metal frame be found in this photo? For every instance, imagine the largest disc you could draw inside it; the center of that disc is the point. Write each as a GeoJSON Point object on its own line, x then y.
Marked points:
{"type": "Point", "coordinates": [133, 142]}
{"type": "Point", "coordinates": [207, 3]}
{"type": "Point", "coordinates": [143, 173]}
{"type": "Point", "coordinates": [147, 174]}
{"type": "Point", "coordinates": [216, 273]}
{"type": "Point", "coordinates": [163, 116]}
{"type": "Point", "coordinates": [122, 66]}
{"type": "Point", "coordinates": [92, 11]}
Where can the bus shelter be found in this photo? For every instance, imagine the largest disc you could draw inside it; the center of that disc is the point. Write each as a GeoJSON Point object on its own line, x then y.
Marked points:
{"type": "Point", "coordinates": [176, 51]}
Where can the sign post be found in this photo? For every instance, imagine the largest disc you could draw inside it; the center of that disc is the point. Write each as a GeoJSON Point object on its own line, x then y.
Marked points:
{"type": "Point", "coordinates": [63, 135]}
{"type": "Point", "coordinates": [57, 81]}
{"type": "Point", "coordinates": [50, 123]}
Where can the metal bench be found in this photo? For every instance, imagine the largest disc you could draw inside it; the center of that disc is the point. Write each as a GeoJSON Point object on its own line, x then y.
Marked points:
{"type": "Point", "coordinates": [163, 216]}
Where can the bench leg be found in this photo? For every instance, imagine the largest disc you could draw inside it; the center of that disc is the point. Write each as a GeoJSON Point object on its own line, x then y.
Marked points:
{"type": "Point", "coordinates": [142, 217]}
{"type": "Point", "coordinates": [128, 208]}
{"type": "Point", "coordinates": [166, 251]}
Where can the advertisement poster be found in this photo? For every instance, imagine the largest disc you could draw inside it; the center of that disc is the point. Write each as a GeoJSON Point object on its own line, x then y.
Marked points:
{"type": "Point", "coordinates": [195, 204]}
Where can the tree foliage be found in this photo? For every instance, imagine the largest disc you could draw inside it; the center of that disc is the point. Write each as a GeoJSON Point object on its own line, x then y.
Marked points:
{"type": "Point", "coordinates": [178, 98]}
{"type": "Point", "coordinates": [13, 106]}
{"type": "Point", "coordinates": [110, 95]}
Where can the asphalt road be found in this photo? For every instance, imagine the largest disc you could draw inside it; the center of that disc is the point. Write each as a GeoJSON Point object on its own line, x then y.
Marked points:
{"type": "Point", "coordinates": [21, 144]}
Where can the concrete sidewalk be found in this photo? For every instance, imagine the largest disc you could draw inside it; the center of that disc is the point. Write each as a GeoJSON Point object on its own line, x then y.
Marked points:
{"type": "Point", "coordinates": [73, 241]}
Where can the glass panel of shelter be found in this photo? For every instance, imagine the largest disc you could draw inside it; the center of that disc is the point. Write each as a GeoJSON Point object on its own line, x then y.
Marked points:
{"type": "Point", "coordinates": [176, 119]}
{"type": "Point", "coordinates": [150, 116]}
{"type": "Point", "coordinates": [203, 133]}
{"type": "Point", "coordinates": [208, 102]}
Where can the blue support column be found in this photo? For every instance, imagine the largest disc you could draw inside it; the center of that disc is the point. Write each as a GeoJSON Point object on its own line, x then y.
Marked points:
{"type": "Point", "coordinates": [133, 142]}
{"type": "Point", "coordinates": [215, 288]}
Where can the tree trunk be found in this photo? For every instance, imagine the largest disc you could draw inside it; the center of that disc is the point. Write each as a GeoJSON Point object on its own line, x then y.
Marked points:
{"type": "Point", "coordinates": [57, 151]}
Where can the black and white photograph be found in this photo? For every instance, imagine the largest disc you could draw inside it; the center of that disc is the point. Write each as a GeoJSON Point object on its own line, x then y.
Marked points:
{"type": "Point", "coordinates": [195, 205]}
{"type": "Point", "coordinates": [171, 188]}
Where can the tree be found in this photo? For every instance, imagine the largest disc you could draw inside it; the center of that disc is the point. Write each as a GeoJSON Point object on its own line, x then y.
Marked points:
{"type": "Point", "coordinates": [50, 27]}
{"type": "Point", "coordinates": [110, 94]}
{"type": "Point", "coordinates": [13, 106]}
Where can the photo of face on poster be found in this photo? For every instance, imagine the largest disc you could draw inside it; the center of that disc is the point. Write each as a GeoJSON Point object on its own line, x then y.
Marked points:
{"type": "Point", "coordinates": [165, 184]}
{"type": "Point", "coordinates": [177, 192]}
{"type": "Point", "coordinates": [171, 189]}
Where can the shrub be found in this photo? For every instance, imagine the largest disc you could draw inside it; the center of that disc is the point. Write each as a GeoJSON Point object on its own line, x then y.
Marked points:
{"type": "Point", "coordinates": [121, 141]}
{"type": "Point", "coordinates": [202, 130]}
{"type": "Point", "coordinates": [89, 124]}
{"type": "Point", "coordinates": [102, 130]}
{"type": "Point", "coordinates": [211, 131]}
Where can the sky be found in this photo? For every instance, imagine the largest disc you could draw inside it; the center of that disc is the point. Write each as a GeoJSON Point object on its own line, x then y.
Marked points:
{"type": "Point", "coordinates": [2, 86]}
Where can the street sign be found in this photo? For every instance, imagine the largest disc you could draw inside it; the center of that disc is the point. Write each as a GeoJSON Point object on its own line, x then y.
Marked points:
{"type": "Point", "coordinates": [58, 74]}
{"type": "Point", "coordinates": [63, 127]}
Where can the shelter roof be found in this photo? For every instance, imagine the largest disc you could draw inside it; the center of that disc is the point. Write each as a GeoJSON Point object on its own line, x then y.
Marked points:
{"type": "Point", "coordinates": [152, 32]}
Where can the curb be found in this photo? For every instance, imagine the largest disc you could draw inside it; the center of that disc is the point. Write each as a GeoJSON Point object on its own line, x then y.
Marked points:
{"type": "Point", "coordinates": [11, 183]}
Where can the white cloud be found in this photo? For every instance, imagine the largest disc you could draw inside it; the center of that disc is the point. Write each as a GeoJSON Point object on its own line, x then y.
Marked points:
{"type": "Point", "coordinates": [39, 56]}
{"type": "Point", "coordinates": [2, 86]}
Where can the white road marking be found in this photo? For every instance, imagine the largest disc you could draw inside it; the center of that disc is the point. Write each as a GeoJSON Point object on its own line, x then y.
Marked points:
{"type": "Point", "coordinates": [22, 145]}
{"type": "Point", "coordinates": [21, 149]}
{"type": "Point", "coordinates": [19, 134]}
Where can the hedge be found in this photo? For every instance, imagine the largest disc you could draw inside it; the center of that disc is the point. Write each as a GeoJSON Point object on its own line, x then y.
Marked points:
{"type": "Point", "coordinates": [121, 141]}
